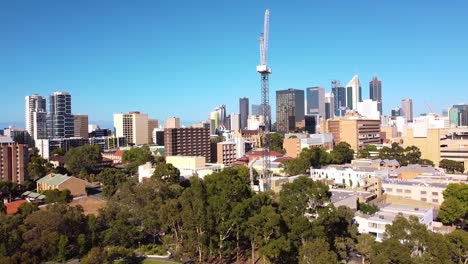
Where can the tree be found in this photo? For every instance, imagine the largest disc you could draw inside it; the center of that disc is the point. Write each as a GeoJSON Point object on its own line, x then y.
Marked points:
{"type": "Point", "coordinates": [112, 179]}
{"type": "Point", "coordinates": [342, 153]}
{"type": "Point", "coordinates": [95, 256]}
{"type": "Point", "coordinates": [137, 156]}
{"type": "Point", "coordinates": [58, 152]}
{"type": "Point", "coordinates": [38, 167]}
{"type": "Point", "coordinates": [276, 142]}
{"type": "Point", "coordinates": [57, 196]}
{"type": "Point", "coordinates": [390, 251]}
{"type": "Point", "coordinates": [368, 208]}
{"type": "Point", "coordinates": [365, 152]}
{"type": "Point", "coordinates": [167, 172]}
{"type": "Point", "coordinates": [364, 246]}
{"type": "Point", "coordinates": [395, 152]}
{"type": "Point", "coordinates": [455, 205]}
{"type": "Point", "coordinates": [412, 154]}
{"type": "Point", "coordinates": [317, 251]}
{"type": "Point", "coordinates": [83, 160]}
{"type": "Point", "coordinates": [426, 162]}
{"type": "Point", "coordinates": [451, 166]}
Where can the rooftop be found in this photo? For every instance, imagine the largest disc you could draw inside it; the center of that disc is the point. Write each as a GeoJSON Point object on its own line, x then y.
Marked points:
{"type": "Point", "coordinates": [53, 179]}
{"type": "Point", "coordinates": [12, 208]}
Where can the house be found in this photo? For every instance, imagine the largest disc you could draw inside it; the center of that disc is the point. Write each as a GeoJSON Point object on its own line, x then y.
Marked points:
{"type": "Point", "coordinates": [61, 182]}
{"type": "Point", "coordinates": [13, 207]}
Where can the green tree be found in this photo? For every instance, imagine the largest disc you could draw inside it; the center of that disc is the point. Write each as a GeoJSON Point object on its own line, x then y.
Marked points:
{"type": "Point", "coordinates": [95, 256]}
{"type": "Point", "coordinates": [365, 152]}
{"type": "Point", "coordinates": [451, 166]}
{"type": "Point", "coordinates": [342, 153]}
{"type": "Point", "coordinates": [167, 172]}
{"type": "Point", "coordinates": [58, 152]}
{"type": "Point", "coordinates": [57, 196]}
{"type": "Point", "coordinates": [426, 162]}
{"type": "Point", "coordinates": [137, 156]}
{"type": "Point", "coordinates": [390, 251]}
{"type": "Point", "coordinates": [317, 251]}
{"type": "Point", "coordinates": [112, 179]}
{"type": "Point", "coordinates": [38, 167]}
{"type": "Point", "coordinates": [276, 142]}
{"type": "Point", "coordinates": [364, 246]}
{"type": "Point", "coordinates": [395, 152]}
{"type": "Point", "coordinates": [458, 243]}
{"type": "Point", "coordinates": [368, 208]}
{"type": "Point", "coordinates": [412, 154]}
{"type": "Point", "coordinates": [83, 160]}
{"type": "Point", "coordinates": [451, 211]}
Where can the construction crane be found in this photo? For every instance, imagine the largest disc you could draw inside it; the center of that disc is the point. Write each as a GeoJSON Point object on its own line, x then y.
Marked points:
{"type": "Point", "coordinates": [265, 180]}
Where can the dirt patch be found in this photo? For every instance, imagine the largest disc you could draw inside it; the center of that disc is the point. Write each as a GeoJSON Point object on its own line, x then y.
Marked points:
{"type": "Point", "coordinates": [91, 205]}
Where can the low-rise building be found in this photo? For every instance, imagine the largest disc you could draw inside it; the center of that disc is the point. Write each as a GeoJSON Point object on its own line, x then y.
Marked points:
{"type": "Point", "coordinates": [375, 224]}
{"type": "Point", "coordinates": [294, 144]}
{"type": "Point", "coordinates": [429, 192]}
{"type": "Point", "coordinates": [342, 175]}
{"type": "Point", "coordinates": [193, 165]}
{"type": "Point", "coordinates": [55, 181]}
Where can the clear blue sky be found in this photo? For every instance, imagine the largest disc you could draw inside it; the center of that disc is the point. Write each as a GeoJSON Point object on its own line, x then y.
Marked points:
{"type": "Point", "coordinates": [183, 58]}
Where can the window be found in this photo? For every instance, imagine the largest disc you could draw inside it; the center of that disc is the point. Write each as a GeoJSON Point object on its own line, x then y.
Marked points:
{"type": "Point", "coordinates": [435, 193]}
{"type": "Point", "coordinates": [399, 190]}
{"type": "Point", "coordinates": [407, 191]}
{"type": "Point", "coordinates": [423, 192]}
{"type": "Point", "coordinates": [435, 200]}
{"type": "Point", "coordinates": [389, 189]}
{"type": "Point", "coordinates": [424, 199]}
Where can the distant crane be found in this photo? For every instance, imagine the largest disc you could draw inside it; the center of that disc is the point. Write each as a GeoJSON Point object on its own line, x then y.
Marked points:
{"type": "Point", "coordinates": [265, 180]}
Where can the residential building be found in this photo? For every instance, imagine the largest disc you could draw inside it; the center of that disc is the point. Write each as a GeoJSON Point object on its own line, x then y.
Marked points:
{"type": "Point", "coordinates": [55, 181]}
{"type": "Point", "coordinates": [109, 142]}
{"type": "Point", "coordinates": [60, 122]}
{"type": "Point", "coordinates": [46, 146]}
{"type": "Point", "coordinates": [425, 191]}
{"type": "Point", "coordinates": [315, 97]}
{"type": "Point", "coordinates": [19, 135]}
{"type": "Point", "coordinates": [226, 152]}
{"type": "Point", "coordinates": [353, 93]}
{"type": "Point", "coordinates": [407, 109]}
{"type": "Point", "coordinates": [187, 142]}
{"type": "Point", "coordinates": [294, 145]}
{"type": "Point", "coordinates": [36, 116]}
{"type": "Point", "coordinates": [193, 165]}
{"type": "Point", "coordinates": [342, 175]}
{"type": "Point", "coordinates": [375, 224]}
{"type": "Point", "coordinates": [329, 106]}
{"type": "Point", "coordinates": [152, 125]}
{"type": "Point", "coordinates": [375, 92]}
{"type": "Point", "coordinates": [80, 126]}
{"type": "Point", "coordinates": [14, 159]}
{"type": "Point", "coordinates": [368, 109]}
{"type": "Point", "coordinates": [355, 130]}
{"type": "Point", "coordinates": [172, 122]}
{"type": "Point", "coordinates": [133, 126]}
{"type": "Point", "coordinates": [339, 97]}
{"type": "Point", "coordinates": [254, 122]}
{"type": "Point", "coordinates": [243, 111]}
{"type": "Point", "coordinates": [289, 109]}
{"type": "Point", "coordinates": [252, 136]}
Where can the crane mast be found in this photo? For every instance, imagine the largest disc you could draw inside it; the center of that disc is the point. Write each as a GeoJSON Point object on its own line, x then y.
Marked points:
{"type": "Point", "coordinates": [265, 180]}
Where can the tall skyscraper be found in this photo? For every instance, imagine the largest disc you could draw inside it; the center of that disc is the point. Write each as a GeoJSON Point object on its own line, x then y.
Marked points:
{"type": "Point", "coordinates": [375, 92]}
{"type": "Point", "coordinates": [36, 116]}
{"type": "Point", "coordinates": [243, 111]}
{"type": "Point", "coordinates": [458, 115]}
{"type": "Point", "coordinates": [310, 124]}
{"type": "Point", "coordinates": [289, 109]}
{"type": "Point", "coordinates": [329, 106]}
{"type": "Point", "coordinates": [133, 126]}
{"type": "Point", "coordinates": [339, 97]}
{"type": "Point", "coordinates": [353, 93]}
{"type": "Point", "coordinates": [152, 125]}
{"type": "Point", "coordinates": [315, 97]}
{"type": "Point", "coordinates": [81, 125]}
{"type": "Point", "coordinates": [60, 123]}
{"type": "Point", "coordinates": [407, 109]}
{"type": "Point", "coordinates": [396, 111]}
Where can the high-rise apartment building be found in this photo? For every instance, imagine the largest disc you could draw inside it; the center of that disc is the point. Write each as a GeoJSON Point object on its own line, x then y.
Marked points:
{"type": "Point", "coordinates": [243, 111]}
{"type": "Point", "coordinates": [289, 109]}
{"type": "Point", "coordinates": [187, 142]}
{"type": "Point", "coordinates": [133, 126]}
{"type": "Point", "coordinates": [329, 106]}
{"type": "Point", "coordinates": [14, 160]}
{"type": "Point", "coordinates": [339, 97]}
{"type": "Point", "coordinates": [60, 123]}
{"type": "Point", "coordinates": [355, 130]}
{"type": "Point", "coordinates": [375, 92]}
{"type": "Point", "coordinates": [36, 116]}
{"type": "Point", "coordinates": [172, 122]}
{"type": "Point", "coordinates": [458, 115]}
{"type": "Point", "coordinates": [407, 109]}
{"type": "Point", "coordinates": [235, 122]}
{"type": "Point", "coordinates": [81, 125]}
{"type": "Point", "coordinates": [353, 93]}
{"type": "Point", "coordinates": [315, 97]}
{"type": "Point", "coordinates": [152, 125]}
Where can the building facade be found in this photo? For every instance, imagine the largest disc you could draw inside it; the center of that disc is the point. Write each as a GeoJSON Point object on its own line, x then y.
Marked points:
{"type": "Point", "coordinates": [14, 159]}
{"type": "Point", "coordinates": [80, 126]}
{"type": "Point", "coordinates": [60, 122]}
{"type": "Point", "coordinates": [36, 116]}
{"type": "Point", "coordinates": [353, 93]}
{"type": "Point", "coordinates": [407, 109]}
{"type": "Point", "coordinates": [172, 122]}
{"type": "Point", "coordinates": [315, 97]}
{"type": "Point", "coordinates": [289, 109]}
{"type": "Point", "coordinates": [133, 126]}
{"type": "Point", "coordinates": [375, 92]}
{"type": "Point", "coordinates": [458, 115]}
{"type": "Point", "coordinates": [356, 131]}
{"type": "Point", "coordinates": [243, 111]}
{"type": "Point", "coordinates": [329, 106]}
{"type": "Point", "coordinates": [187, 142]}
{"type": "Point", "coordinates": [369, 109]}
{"type": "Point", "coordinates": [339, 97]}
{"type": "Point", "coordinates": [152, 125]}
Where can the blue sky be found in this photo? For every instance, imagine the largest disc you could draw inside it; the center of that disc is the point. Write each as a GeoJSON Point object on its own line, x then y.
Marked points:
{"type": "Point", "coordinates": [183, 58]}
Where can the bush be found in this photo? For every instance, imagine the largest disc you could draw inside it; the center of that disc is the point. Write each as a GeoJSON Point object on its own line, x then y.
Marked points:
{"type": "Point", "coordinates": [160, 250]}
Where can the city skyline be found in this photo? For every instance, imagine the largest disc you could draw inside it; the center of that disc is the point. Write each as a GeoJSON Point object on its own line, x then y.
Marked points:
{"type": "Point", "coordinates": [111, 77]}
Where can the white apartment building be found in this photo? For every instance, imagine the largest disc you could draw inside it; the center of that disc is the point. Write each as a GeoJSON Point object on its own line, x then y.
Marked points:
{"type": "Point", "coordinates": [429, 192]}
{"type": "Point", "coordinates": [375, 224]}
{"type": "Point", "coordinates": [342, 176]}
{"type": "Point", "coordinates": [133, 126]}
{"type": "Point", "coordinates": [368, 109]}
{"type": "Point", "coordinates": [255, 121]}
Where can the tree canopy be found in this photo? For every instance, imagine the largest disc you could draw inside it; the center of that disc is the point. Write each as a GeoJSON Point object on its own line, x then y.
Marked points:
{"type": "Point", "coordinates": [83, 160]}
{"type": "Point", "coordinates": [137, 156]}
{"type": "Point", "coordinates": [451, 166]}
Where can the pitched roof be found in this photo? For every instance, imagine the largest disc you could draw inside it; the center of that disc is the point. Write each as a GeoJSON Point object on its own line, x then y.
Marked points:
{"type": "Point", "coordinates": [12, 208]}
{"type": "Point", "coordinates": [54, 179]}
